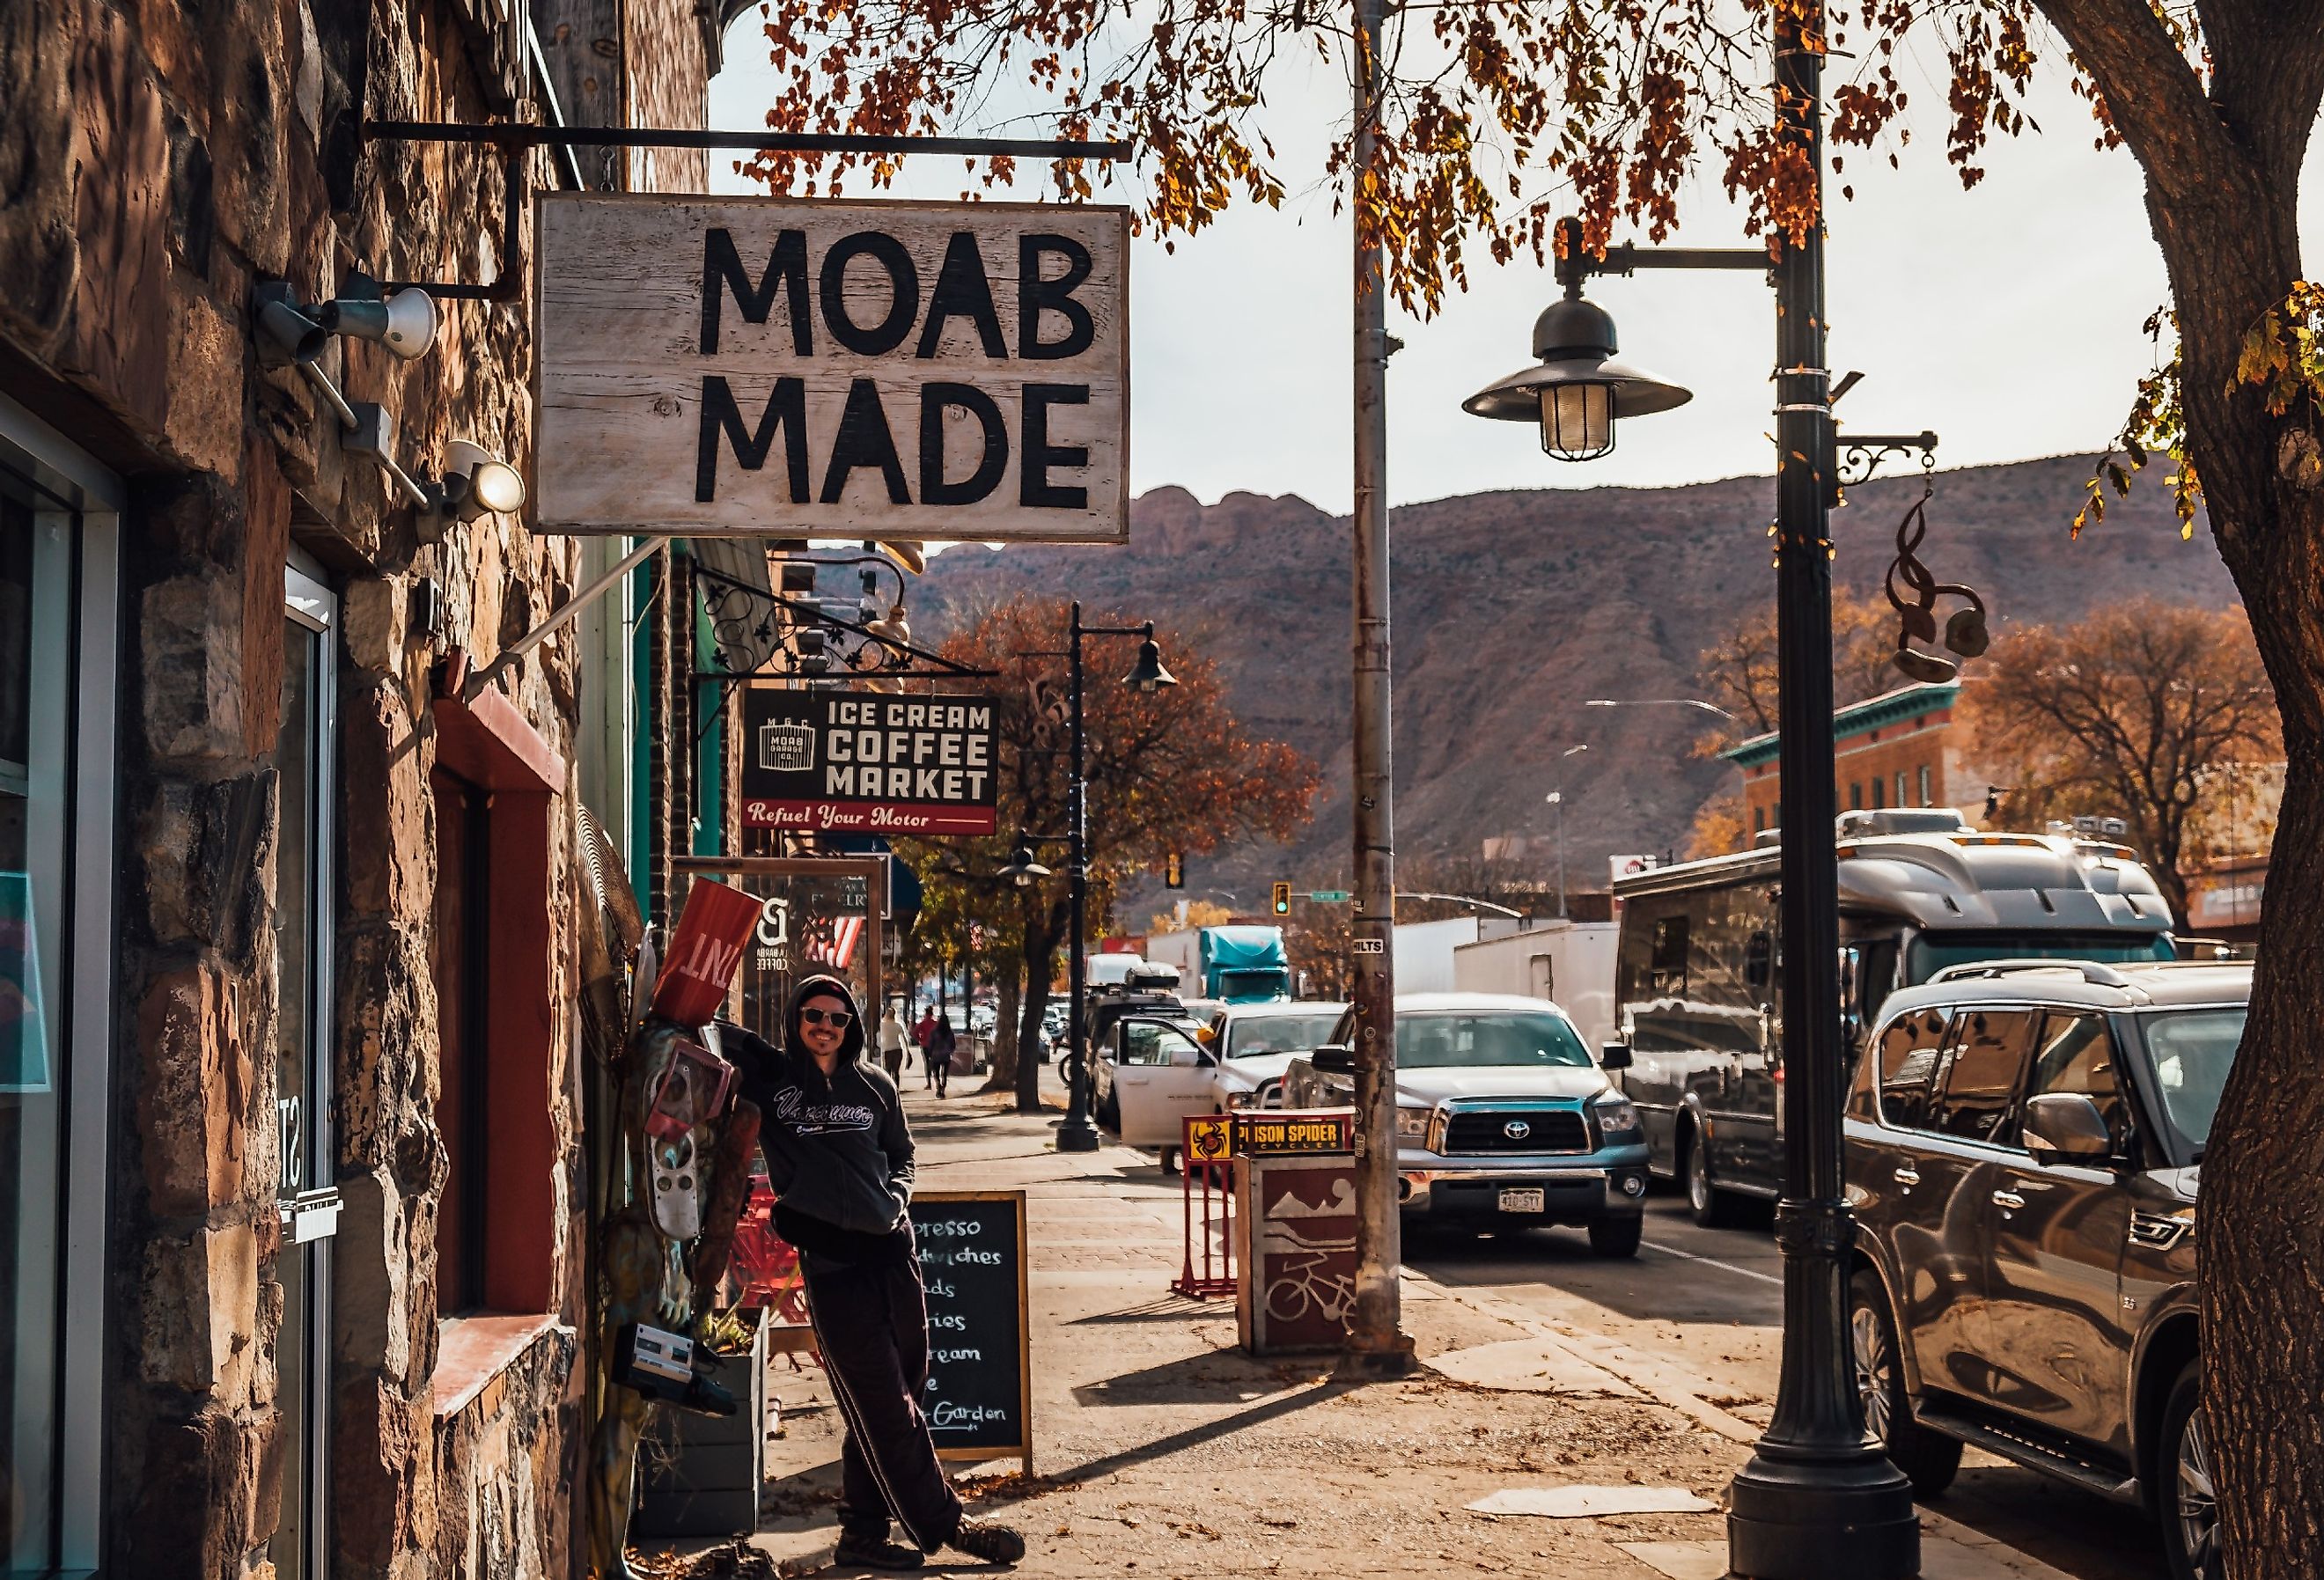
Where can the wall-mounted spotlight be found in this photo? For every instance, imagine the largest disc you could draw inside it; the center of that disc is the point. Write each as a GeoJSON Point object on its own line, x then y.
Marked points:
{"type": "Point", "coordinates": [288, 334]}
{"type": "Point", "coordinates": [404, 323]}
{"type": "Point", "coordinates": [475, 483]}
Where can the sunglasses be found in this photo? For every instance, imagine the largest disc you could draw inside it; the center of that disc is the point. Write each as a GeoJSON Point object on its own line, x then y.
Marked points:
{"type": "Point", "coordinates": [837, 1020]}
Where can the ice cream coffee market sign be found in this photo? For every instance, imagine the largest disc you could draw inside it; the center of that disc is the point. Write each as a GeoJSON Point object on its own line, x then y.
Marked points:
{"type": "Point", "coordinates": [832, 369]}
{"type": "Point", "coordinates": [828, 761]}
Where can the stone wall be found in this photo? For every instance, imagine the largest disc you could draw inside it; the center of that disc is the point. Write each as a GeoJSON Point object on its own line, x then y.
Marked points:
{"type": "Point", "coordinates": [159, 159]}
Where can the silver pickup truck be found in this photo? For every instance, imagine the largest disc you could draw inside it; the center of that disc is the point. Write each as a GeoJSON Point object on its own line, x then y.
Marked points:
{"type": "Point", "coordinates": [1504, 1119]}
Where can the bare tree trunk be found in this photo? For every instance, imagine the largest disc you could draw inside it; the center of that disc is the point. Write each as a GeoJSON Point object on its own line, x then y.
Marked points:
{"type": "Point", "coordinates": [1007, 1047]}
{"type": "Point", "coordinates": [2260, 1242]}
{"type": "Point", "coordinates": [2222, 157]}
{"type": "Point", "coordinates": [1002, 1075]}
{"type": "Point", "coordinates": [1039, 964]}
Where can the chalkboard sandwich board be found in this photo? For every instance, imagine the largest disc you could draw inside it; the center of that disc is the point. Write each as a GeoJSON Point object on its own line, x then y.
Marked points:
{"type": "Point", "coordinates": [979, 1398]}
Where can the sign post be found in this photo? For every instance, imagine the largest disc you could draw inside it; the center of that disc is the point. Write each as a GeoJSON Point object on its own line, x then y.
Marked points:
{"type": "Point", "coordinates": [820, 368]}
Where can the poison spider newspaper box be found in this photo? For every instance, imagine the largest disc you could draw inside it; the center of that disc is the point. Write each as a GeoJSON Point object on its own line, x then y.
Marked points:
{"type": "Point", "coordinates": [1296, 1229]}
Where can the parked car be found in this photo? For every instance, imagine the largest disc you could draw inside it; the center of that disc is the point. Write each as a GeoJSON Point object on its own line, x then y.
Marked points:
{"type": "Point", "coordinates": [2024, 1144]}
{"type": "Point", "coordinates": [1111, 1005]}
{"type": "Point", "coordinates": [1153, 1072]}
{"type": "Point", "coordinates": [1504, 1119]}
{"type": "Point", "coordinates": [1256, 1044]}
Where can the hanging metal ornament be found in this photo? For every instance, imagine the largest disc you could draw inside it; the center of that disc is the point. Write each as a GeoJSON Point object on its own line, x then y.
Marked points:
{"type": "Point", "coordinates": [1965, 633]}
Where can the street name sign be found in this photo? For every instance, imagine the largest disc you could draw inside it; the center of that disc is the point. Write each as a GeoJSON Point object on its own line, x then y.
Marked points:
{"type": "Point", "coordinates": [827, 762]}
{"type": "Point", "coordinates": [1330, 896]}
{"type": "Point", "coordinates": [819, 368]}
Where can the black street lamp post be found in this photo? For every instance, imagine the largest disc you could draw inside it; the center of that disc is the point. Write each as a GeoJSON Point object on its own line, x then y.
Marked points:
{"type": "Point", "coordinates": [1078, 1133]}
{"type": "Point", "coordinates": [1818, 1498]}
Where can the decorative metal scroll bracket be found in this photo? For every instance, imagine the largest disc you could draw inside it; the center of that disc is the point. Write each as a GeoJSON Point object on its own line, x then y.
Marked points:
{"type": "Point", "coordinates": [1859, 455]}
{"type": "Point", "coordinates": [903, 660]}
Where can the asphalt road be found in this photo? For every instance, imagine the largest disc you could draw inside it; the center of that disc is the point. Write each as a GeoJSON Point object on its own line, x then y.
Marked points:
{"type": "Point", "coordinates": [1713, 1297]}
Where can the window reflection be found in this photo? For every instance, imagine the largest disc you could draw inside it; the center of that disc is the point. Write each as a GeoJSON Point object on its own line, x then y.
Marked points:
{"type": "Point", "coordinates": [35, 656]}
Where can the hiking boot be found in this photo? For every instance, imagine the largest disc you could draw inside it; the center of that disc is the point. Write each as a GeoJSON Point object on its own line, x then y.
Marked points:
{"type": "Point", "coordinates": [981, 1539]}
{"type": "Point", "coordinates": [876, 1552]}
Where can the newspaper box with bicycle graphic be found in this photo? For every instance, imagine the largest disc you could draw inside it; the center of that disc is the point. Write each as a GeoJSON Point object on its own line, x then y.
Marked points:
{"type": "Point", "coordinates": [1295, 1223]}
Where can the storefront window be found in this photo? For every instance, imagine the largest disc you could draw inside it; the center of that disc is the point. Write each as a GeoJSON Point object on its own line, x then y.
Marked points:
{"type": "Point", "coordinates": [55, 833]}
{"type": "Point", "coordinates": [31, 1119]}
{"type": "Point", "coordinates": [304, 902]}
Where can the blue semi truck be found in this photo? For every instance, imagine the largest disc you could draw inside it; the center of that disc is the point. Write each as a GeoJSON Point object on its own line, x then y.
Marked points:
{"type": "Point", "coordinates": [1235, 965]}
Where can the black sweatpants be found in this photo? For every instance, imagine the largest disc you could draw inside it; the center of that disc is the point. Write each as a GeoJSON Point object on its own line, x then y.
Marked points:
{"type": "Point", "coordinates": [872, 1323]}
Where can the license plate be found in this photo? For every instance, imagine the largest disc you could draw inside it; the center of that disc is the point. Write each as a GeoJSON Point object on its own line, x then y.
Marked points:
{"type": "Point", "coordinates": [1521, 1201]}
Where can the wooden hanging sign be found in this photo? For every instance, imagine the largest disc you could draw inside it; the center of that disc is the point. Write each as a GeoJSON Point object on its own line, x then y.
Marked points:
{"type": "Point", "coordinates": [737, 366]}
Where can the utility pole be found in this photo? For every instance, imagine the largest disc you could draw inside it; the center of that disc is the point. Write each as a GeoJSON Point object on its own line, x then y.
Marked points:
{"type": "Point", "coordinates": [1375, 1338]}
{"type": "Point", "coordinates": [1817, 1497]}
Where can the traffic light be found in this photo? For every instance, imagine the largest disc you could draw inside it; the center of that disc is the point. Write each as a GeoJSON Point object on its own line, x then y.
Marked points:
{"type": "Point", "coordinates": [1174, 871]}
{"type": "Point", "coordinates": [1282, 899]}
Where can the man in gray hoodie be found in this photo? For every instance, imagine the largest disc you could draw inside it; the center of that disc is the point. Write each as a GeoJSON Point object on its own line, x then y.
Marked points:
{"type": "Point", "coordinates": [839, 1156]}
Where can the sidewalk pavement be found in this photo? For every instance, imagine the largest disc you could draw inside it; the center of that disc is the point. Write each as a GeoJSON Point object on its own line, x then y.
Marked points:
{"type": "Point", "coordinates": [1161, 1452]}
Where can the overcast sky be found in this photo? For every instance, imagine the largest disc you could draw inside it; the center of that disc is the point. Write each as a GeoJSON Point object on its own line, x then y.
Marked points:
{"type": "Point", "coordinates": [2007, 319]}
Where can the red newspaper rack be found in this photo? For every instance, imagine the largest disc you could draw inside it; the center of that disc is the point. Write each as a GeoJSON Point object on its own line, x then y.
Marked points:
{"type": "Point", "coordinates": [1206, 1190]}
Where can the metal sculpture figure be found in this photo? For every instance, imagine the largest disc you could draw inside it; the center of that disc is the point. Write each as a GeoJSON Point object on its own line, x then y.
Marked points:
{"type": "Point", "coordinates": [1965, 633]}
{"type": "Point", "coordinates": [680, 1173]}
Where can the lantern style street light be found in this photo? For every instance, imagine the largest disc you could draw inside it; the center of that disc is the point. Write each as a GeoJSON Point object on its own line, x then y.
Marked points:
{"type": "Point", "coordinates": [1147, 674]}
{"type": "Point", "coordinates": [1022, 869]}
{"type": "Point", "coordinates": [1078, 1133]}
{"type": "Point", "coordinates": [1818, 1498]}
{"type": "Point", "coordinates": [1578, 389]}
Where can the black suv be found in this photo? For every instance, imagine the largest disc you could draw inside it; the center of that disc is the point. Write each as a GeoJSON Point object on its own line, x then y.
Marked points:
{"type": "Point", "coordinates": [2024, 1144]}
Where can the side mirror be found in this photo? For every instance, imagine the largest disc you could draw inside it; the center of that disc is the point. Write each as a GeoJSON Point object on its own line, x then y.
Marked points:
{"type": "Point", "coordinates": [1614, 1055]}
{"type": "Point", "coordinates": [1333, 1060]}
{"type": "Point", "coordinates": [2066, 1126]}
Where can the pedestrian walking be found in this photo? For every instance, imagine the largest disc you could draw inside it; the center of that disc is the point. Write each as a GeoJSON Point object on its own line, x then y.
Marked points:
{"type": "Point", "coordinates": [942, 1045]}
{"type": "Point", "coordinates": [891, 1042]}
{"type": "Point", "coordinates": [923, 1029]}
{"type": "Point", "coordinates": [839, 1155]}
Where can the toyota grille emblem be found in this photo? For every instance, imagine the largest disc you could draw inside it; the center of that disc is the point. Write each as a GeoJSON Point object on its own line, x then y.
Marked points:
{"type": "Point", "coordinates": [1516, 1129]}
